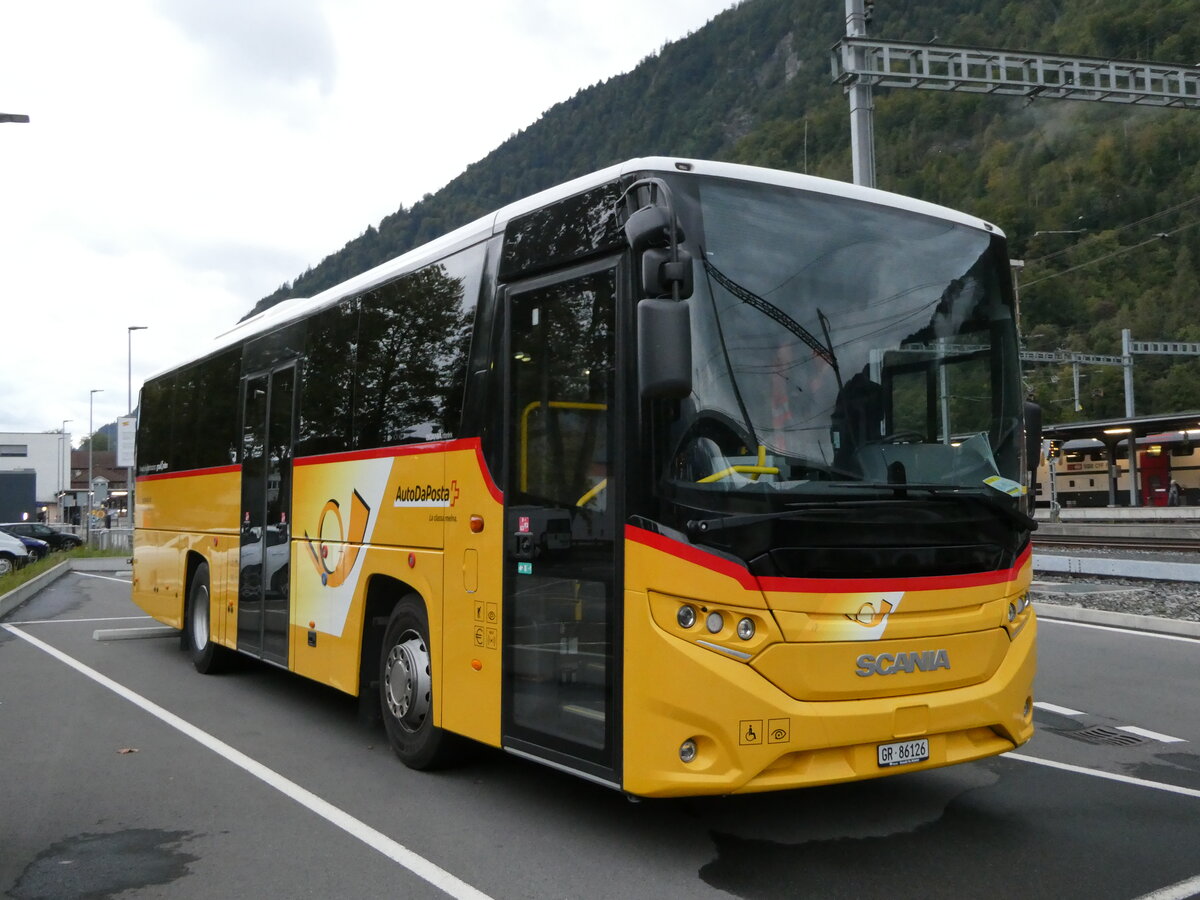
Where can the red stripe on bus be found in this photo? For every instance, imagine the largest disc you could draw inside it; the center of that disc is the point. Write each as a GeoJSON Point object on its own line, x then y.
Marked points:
{"type": "Point", "coordinates": [376, 453]}
{"type": "Point", "coordinates": [691, 554]}
{"type": "Point", "coordinates": [189, 473]}
{"type": "Point", "coordinates": [914, 583]}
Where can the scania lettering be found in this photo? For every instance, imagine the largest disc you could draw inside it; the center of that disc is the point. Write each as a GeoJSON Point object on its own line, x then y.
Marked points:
{"type": "Point", "coordinates": [646, 477]}
{"type": "Point", "coordinates": [916, 661]}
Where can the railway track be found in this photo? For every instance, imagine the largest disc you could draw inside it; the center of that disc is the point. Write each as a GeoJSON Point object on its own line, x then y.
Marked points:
{"type": "Point", "coordinates": [1155, 543]}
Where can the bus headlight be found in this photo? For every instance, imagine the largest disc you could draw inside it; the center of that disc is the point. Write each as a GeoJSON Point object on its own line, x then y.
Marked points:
{"type": "Point", "coordinates": [745, 628]}
{"type": "Point", "coordinates": [687, 750]}
{"type": "Point", "coordinates": [714, 622]}
{"type": "Point", "coordinates": [686, 617]}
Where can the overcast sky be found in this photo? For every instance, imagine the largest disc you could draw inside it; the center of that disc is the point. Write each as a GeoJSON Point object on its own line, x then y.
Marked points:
{"type": "Point", "coordinates": [186, 157]}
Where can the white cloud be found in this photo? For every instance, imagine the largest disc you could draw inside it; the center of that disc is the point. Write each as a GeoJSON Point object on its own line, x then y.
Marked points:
{"type": "Point", "coordinates": [185, 158]}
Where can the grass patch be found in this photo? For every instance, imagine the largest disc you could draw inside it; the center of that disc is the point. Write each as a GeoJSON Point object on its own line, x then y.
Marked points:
{"type": "Point", "coordinates": [31, 571]}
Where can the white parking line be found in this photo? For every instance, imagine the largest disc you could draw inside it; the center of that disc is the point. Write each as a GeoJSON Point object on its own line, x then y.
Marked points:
{"type": "Point", "coordinates": [105, 577]}
{"type": "Point", "coordinates": [1047, 618]}
{"type": "Point", "coordinates": [1153, 735]}
{"type": "Point", "coordinates": [1131, 729]}
{"type": "Point", "coordinates": [418, 865]}
{"type": "Point", "coordinates": [133, 634]}
{"type": "Point", "coordinates": [1109, 776]}
{"type": "Point", "coordinates": [62, 621]}
{"type": "Point", "coordinates": [1181, 891]}
{"type": "Point", "coordinates": [1061, 710]}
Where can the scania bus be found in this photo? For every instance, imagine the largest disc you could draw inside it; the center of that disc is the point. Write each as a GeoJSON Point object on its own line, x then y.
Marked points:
{"type": "Point", "coordinates": [684, 477]}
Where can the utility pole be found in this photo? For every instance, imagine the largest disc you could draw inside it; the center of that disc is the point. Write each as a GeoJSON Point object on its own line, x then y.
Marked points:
{"type": "Point", "coordinates": [91, 447]}
{"type": "Point", "coordinates": [129, 474]}
{"type": "Point", "coordinates": [862, 102]}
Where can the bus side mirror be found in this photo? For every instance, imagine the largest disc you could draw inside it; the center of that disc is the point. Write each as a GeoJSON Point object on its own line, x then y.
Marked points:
{"type": "Point", "coordinates": [654, 234]}
{"type": "Point", "coordinates": [664, 349]}
{"type": "Point", "coordinates": [650, 226]}
{"type": "Point", "coordinates": [659, 273]}
{"type": "Point", "coordinates": [1033, 434]}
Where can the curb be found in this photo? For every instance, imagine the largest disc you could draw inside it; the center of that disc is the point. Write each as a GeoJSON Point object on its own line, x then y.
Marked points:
{"type": "Point", "coordinates": [17, 596]}
{"type": "Point", "coordinates": [1130, 621]}
{"type": "Point", "coordinates": [1152, 570]}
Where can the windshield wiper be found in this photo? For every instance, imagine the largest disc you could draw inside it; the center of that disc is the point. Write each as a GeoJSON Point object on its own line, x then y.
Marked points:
{"type": "Point", "coordinates": [794, 511]}
{"type": "Point", "coordinates": [938, 491]}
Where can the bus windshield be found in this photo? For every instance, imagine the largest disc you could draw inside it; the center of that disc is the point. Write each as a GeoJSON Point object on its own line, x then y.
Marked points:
{"type": "Point", "coordinates": [841, 347]}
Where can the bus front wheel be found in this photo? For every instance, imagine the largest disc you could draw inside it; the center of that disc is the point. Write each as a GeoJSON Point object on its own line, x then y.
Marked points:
{"type": "Point", "coordinates": [207, 657]}
{"type": "Point", "coordinates": [406, 689]}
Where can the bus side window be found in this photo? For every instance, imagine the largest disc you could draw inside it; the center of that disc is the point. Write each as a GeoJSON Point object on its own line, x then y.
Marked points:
{"type": "Point", "coordinates": [327, 381]}
{"type": "Point", "coordinates": [414, 335]}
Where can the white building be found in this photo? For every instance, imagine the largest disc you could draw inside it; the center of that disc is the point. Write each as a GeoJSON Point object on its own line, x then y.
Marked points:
{"type": "Point", "coordinates": [48, 456]}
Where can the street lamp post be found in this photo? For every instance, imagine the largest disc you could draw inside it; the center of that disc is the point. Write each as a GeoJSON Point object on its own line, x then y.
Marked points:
{"type": "Point", "coordinates": [129, 412]}
{"type": "Point", "coordinates": [91, 446]}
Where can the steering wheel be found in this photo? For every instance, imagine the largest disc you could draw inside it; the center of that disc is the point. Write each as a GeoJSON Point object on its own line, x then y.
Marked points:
{"type": "Point", "coordinates": [901, 437]}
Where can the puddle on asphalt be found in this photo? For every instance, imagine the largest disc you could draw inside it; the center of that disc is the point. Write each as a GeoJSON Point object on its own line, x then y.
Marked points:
{"type": "Point", "coordinates": [98, 866]}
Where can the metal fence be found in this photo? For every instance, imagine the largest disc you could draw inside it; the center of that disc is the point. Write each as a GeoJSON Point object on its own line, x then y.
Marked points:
{"type": "Point", "coordinates": [111, 539]}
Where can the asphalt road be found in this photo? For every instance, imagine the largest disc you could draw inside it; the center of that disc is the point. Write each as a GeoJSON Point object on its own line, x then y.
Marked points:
{"type": "Point", "coordinates": [125, 771]}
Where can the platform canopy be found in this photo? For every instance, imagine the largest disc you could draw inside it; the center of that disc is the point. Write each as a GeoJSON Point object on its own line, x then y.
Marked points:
{"type": "Point", "coordinates": [1117, 430]}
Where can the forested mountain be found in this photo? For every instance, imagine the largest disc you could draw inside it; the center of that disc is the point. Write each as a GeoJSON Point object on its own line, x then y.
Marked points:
{"type": "Point", "coordinates": [1120, 185]}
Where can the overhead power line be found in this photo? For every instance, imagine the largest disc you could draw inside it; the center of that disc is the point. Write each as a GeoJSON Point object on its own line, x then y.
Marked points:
{"type": "Point", "coordinates": [1161, 236]}
{"type": "Point", "coordinates": [1178, 207]}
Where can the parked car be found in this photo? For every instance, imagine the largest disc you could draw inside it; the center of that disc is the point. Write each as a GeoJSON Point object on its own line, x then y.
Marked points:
{"type": "Point", "coordinates": [35, 548]}
{"type": "Point", "coordinates": [13, 554]}
{"type": "Point", "coordinates": [58, 540]}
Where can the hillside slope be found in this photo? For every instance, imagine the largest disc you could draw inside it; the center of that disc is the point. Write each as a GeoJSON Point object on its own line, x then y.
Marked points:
{"type": "Point", "coordinates": [753, 86]}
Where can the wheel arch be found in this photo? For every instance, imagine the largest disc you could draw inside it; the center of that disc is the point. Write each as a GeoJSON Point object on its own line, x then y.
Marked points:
{"type": "Point", "coordinates": [191, 564]}
{"type": "Point", "coordinates": [383, 594]}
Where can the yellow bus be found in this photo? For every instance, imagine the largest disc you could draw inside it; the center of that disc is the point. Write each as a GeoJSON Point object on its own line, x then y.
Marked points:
{"type": "Point", "coordinates": [684, 477]}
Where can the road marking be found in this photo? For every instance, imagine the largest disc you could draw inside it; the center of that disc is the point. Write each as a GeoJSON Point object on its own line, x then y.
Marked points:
{"type": "Point", "coordinates": [76, 621]}
{"type": "Point", "coordinates": [1181, 891]}
{"type": "Point", "coordinates": [1132, 729]}
{"type": "Point", "coordinates": [1153, 735]}
{"type": "Point", "coordinates": [415, 863]}
{"type": "Point", "coordinates": [1042, 617]}
{"type": "Point", "coordinates": [1061, 710]}
{"type": "Point", "coordinates": [133, 634]}
{"type": "Point", "coordinates": [1110, 776]}
{"type": "Point", "coordinates": [104, 577]}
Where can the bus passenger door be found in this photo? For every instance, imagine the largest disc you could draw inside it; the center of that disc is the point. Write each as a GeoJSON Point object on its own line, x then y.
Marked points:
{"type": "Point", "coordinates": [560, 588]}
{"type": "Point", "coordinates": [264, 610]}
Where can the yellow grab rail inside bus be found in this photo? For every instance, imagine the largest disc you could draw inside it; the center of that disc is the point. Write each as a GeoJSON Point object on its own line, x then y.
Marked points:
{"type": "Point", "coordinates": [549, 404]}
{"type": "Point", "coordinates": [761, 469]}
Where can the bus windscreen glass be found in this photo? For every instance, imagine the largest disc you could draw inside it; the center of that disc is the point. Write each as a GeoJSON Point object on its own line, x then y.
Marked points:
{"type": "Point", "coordinates": [838, 345]}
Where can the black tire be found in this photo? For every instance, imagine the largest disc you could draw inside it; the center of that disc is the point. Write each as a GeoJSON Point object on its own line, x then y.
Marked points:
{"type": "Point", "coordinates": [207, 657]}
{"type": "Point", "coordinates": [34, 556]}
{"type": "Point", "coordinates": [406, 691]}
{"type": "Point", "coordinates": [6, 565]}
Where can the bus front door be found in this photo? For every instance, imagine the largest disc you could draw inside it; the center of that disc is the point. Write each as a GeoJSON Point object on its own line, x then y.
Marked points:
{"type": "Point", "coordinates": [263, 570]}
{"type": "Point", "coordinates": [560, 594]}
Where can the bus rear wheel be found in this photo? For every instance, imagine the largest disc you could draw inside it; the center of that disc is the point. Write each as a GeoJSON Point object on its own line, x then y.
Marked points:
{"type": "Point", "coordinates": [207, 657]}
{"type": "Point", "coordinates": [406, 690]}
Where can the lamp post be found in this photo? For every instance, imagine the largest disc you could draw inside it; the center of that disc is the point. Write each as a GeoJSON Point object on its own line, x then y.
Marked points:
{"type": "Point", "coordinates": [91, 445]}
{"type": "Point", "coordinates": [129, 412]}
{"type": "Point", "coordinates": [62, 438]}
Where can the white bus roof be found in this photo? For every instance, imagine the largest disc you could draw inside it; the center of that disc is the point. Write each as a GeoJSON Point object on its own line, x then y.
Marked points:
{"type": "Point", "coordinates": [481, 229]}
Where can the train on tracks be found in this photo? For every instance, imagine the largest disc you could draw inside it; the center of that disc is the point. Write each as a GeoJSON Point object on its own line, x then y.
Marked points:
{"type": "Point", "coordinates": [1168, 466]}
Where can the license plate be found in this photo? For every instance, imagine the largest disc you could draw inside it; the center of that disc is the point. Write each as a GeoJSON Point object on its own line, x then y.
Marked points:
{"type": "Point", "coordinates": [903, 753]}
